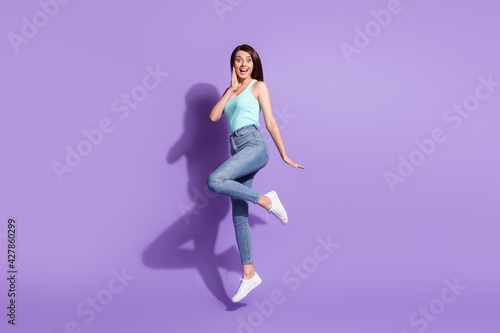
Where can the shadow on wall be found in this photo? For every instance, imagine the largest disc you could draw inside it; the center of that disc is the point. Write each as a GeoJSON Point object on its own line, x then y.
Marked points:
{"type": "Point", "coordinates": [206, 146]}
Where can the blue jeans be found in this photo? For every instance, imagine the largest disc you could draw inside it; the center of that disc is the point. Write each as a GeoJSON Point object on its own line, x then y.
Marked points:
{"type": "Point", "coordinates": [249, 154]}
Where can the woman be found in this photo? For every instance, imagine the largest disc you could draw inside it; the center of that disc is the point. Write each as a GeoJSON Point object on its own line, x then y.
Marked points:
{"type": "Point", "coordinates": [241, 103]}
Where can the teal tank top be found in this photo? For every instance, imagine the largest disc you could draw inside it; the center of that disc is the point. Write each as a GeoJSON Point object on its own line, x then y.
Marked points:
{"type": "Point", "coordinates": [243, 109]}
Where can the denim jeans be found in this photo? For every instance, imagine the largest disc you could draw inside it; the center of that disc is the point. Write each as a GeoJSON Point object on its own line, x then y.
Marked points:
{"type": "Point", "coordinates": [249, 154]}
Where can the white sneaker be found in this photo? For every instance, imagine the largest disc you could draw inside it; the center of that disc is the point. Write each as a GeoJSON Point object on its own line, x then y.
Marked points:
{"type": "Point", "coordinates": [246, 286]}
{"type": "Point", "coordinates": [277, 208]}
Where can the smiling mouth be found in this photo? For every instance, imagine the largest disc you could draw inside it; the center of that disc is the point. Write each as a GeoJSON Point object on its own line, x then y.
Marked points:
{"type": "Point", "coordinates": [243, 70]}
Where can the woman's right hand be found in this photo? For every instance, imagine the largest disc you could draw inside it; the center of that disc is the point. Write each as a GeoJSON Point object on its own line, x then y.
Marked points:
{"type": "Point", "coordinates": [234, 81]}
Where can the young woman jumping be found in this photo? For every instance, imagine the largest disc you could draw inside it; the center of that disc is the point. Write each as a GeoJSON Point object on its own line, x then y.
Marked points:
{"type": "Point", "coordinates": [241, 103]}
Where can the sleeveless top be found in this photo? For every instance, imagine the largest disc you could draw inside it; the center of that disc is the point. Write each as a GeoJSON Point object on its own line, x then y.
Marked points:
{"type": "Point", "coordinates": [243, 109]}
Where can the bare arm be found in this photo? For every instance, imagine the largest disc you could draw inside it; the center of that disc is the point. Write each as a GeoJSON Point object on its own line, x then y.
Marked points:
{"type": "Point", "coordinates": [271, 125]}
{"type": "Point", "coordinates": [218, 109]}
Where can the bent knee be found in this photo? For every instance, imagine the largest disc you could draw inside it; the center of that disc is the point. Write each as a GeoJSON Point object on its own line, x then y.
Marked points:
{"type": "Point", "coordinates": [213, 183]}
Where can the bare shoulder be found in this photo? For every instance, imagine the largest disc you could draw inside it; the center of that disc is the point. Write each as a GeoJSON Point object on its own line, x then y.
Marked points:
{"type": "Point", "coordinates": [260, 85]}
{"type": "Point", "coordinates": [260, 90]}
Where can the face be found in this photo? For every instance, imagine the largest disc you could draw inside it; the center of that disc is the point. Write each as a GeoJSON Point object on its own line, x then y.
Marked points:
{"type": "Point", "coordinates": [243, 64]}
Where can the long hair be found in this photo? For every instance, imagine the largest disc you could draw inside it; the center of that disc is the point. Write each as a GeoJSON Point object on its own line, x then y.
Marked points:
{"type": "Point", "coordinates": [257, 72]}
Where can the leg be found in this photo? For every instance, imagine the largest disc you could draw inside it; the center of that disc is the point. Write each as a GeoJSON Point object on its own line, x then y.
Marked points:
{"type": "Point", "coordinates": [248, 272]}
{"type": "Point", "coordinates": [242, 229]}
{"type": "Point", "coordinates": [264, 202]}
{"type": "Point", "coordinates": [224, 179]}
{"type": "Point", "coordinates": [245, 162]}
{"type": "Point", "coordinates": [250, 279]}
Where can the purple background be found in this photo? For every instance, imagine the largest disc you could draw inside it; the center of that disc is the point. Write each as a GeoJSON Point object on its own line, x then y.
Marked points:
{"type": "Point", "coordinates": [134, 202]}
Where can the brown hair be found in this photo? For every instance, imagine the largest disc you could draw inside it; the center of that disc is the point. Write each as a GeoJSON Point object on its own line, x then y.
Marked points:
{"type": "Point", "coordinates": [257, 72]}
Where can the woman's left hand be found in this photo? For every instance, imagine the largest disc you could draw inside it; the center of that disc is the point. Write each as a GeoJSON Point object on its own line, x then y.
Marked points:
{"type": "Point", "coordinates": [287, 160]}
